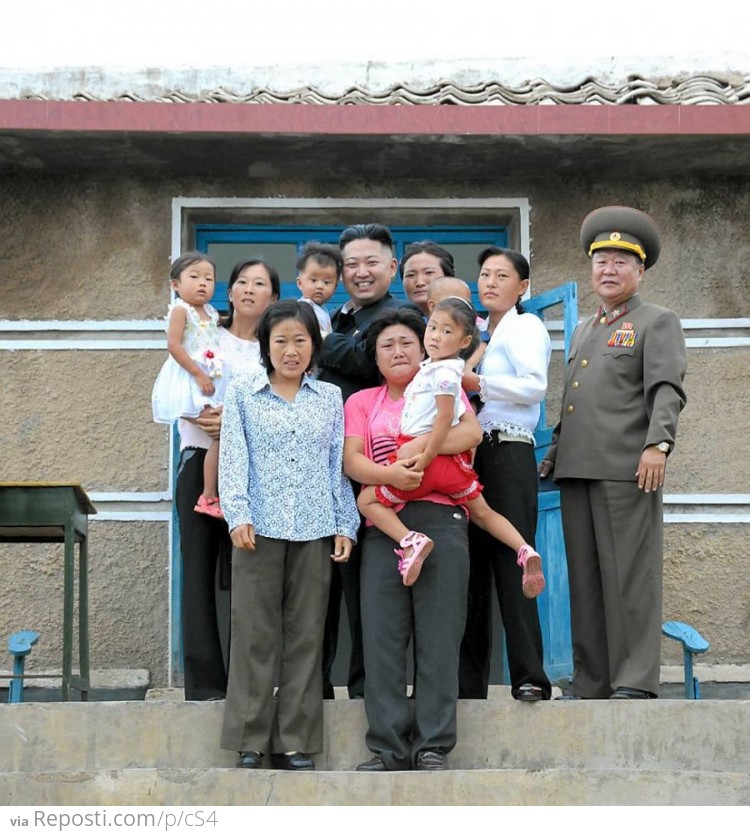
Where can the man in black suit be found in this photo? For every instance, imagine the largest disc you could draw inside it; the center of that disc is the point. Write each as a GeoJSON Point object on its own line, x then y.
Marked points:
{"type": "Point", "coordinates": [369, 268]}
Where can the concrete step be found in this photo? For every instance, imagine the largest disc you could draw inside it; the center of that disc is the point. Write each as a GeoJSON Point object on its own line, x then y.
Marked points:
{"type": "Point", "coordinates": [490, 787]}
{"type": "Point", "coordinates": [657, 735]}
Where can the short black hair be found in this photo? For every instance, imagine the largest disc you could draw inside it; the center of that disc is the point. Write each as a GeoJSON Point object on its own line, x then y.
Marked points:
{"type": "Point", "coordinates": [519, 262]}
{"type": "Point", "coordinates": [408, 316]}
{"type": "Point", "coordinates": [283, 310]}
{"type": "Point", "coordinates": [273, 276]}
{"type": "Point", "coordinates": [369, 231]}
{"type": "Point", "coordinates": [429, 247]}
{"type": "Point", "coordinates": [323, 254]}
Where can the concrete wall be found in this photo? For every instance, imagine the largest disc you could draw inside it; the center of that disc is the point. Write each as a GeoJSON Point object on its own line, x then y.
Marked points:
{"type": "Point", "coordinates": [97, 247]}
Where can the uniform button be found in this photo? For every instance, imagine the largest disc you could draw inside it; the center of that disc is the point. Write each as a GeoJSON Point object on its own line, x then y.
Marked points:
{"type": "Point", "coordinates": [603, 319]}
{"type": "Point", "coordinates": [584, 363]}
{"type": "Point", "coordinates": [570, 408]}
{"type": "Point", "coordinates": [576, 385]}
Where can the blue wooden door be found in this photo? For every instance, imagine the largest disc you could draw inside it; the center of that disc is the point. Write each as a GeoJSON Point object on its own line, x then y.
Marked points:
{"type": "Point", "coordinates": [554, 602]}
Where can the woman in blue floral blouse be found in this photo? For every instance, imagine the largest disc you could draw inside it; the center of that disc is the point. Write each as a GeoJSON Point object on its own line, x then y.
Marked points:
{"type": "Point", "coordinates": [290, 512]}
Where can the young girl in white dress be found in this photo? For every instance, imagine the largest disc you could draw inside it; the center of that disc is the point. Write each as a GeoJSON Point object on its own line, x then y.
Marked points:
{"type": "Point", "coordinates": [193, 377]}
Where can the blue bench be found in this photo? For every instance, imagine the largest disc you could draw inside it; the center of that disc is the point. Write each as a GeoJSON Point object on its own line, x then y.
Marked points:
{"type": "Point", "coordinates": [693, 643]}
{"type": "Point", "coordinates": [19, 646]}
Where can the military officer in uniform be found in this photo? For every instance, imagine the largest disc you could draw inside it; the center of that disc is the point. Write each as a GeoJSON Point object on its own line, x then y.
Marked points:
{"type": "Point", "coordinates": [622, 399]}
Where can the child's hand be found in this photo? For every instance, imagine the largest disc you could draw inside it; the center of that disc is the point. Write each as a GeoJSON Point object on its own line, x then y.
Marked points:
{"type": "Point", "coordinates": [243, 537]}
{"type": "Point", "coordinates": [342, 548]}
{"type": "Point", "coordinates": [206, 385]}
{"type": "Point", "coordinates": [421, 461]}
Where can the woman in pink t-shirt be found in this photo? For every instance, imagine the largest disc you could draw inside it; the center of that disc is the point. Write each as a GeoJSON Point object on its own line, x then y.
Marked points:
{"type": "Point", "coordinates": [434, 609]}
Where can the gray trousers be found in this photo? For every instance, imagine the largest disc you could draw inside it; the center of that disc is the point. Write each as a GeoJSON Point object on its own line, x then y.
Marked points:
{"type": "Point", "coordinates": [279, 603]}
{"type": "Point", "coordinates": [614, 541]}
{"type": "Point", "coordinates": [434, 609]}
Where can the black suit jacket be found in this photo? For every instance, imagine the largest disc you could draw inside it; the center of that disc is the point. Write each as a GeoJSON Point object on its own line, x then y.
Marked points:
{"type": "Point", "coordinates": [342, 360]}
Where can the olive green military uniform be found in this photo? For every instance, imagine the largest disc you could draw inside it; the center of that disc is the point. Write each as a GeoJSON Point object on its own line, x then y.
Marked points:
{"type": "Point", "coordinates": [623, 392]}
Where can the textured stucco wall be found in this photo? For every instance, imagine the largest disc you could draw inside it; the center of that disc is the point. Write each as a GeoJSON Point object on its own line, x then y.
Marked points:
{"type": "Point", "coordinates": [83, 416]}
{"type": "Point", "coordinates": [128, 597]}
{"type": "Point", "coordinates": [97, 247]}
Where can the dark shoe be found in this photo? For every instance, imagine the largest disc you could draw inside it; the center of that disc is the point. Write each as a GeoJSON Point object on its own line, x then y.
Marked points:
{"type": "Point", "coordinates": [375, 764]}
{"type": "Point", "coordinates": [250, 759]}
{"type": "Point", "coordinates": [432, 760]}
{"type": "Point", "coordinates": [632, 693]}
{"type": "Point", "coordinates": [568, 697]}
{"type": "Point", "coordinates": [292, 762]}
{"type": "Point", "coordinates": [529, 693]}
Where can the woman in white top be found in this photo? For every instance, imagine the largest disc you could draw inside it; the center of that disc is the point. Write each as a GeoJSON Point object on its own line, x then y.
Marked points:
{"type": "Point", "coordinates": [253, 286]}
{"type": "Point", "coordinates": [511, 381]}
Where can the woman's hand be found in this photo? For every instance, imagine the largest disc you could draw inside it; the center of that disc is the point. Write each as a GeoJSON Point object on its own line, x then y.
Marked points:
{"type": "Point", "coordinates": [545, 468]}
{"type": "Point", "coordinates": [470, 382]}
{"type": "Point", "coordinates": [243, 537]}
{"type": "Point", "coordinates": [209, 421]}
{"type": "Point", "coordinates": [401, 474]}
{"type": "Point", "coordinates": [342, 548]}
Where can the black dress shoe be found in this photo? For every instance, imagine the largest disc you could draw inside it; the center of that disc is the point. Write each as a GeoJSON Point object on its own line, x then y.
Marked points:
{"type": "Point", "coordinates": [432, 759]}
{"type": "Point", "coordinates": [632, 693]}
{"type": "Point", "coordinates": [250, 759]}
{"type": "Point", "coordinates": [292, 762]}
{"type": "Point", "coordinates": [529, 693]}
{"type": "Point", "coordinates": [375, 764]}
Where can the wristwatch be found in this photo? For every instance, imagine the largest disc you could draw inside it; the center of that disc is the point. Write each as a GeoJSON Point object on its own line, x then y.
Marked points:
{"type": "Point", "coordinates": [664, 447]}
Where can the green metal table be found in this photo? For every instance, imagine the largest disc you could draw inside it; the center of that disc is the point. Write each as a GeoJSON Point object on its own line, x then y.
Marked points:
{"type": "Point", "coordinates": [56, 512]}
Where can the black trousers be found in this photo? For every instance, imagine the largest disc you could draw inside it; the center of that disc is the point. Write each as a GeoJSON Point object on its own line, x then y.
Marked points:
{"type": "Point", "coordinates": [507, 470]}
{"type": "Point", "coordinates": [434, 609]}
{"type": "Point", "coordinates": [345, 583]}
{"type": "Point", "coordinates": [202, 539]}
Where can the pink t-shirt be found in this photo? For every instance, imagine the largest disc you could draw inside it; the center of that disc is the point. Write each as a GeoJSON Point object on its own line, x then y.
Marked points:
{"type": "Point", "coordinates": [372, 416]}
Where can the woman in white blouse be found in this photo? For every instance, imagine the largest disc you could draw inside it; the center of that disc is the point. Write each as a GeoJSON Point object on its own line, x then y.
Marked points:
{"type": "Point", "coordinates": [511, 381]}
{"type": "Point", "coordinates": [253, 285]}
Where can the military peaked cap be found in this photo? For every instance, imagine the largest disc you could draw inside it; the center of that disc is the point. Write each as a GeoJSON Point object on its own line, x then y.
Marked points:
{"type": "Point", "coordinates": [617, 226]}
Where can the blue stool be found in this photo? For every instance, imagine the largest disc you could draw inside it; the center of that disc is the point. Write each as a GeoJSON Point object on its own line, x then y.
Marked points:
{"type": "Point", "coordinates": [692, 644]}
{"type": "Point", "coordinates": [19, 646]}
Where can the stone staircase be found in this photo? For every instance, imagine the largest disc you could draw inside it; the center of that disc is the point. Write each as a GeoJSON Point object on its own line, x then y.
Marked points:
{"type": "Point", "coordinates": [663, 752]}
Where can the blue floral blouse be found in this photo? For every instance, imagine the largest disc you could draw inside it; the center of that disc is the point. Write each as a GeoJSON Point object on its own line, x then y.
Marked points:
{"type": "Point", "coordinates": [281, 463]}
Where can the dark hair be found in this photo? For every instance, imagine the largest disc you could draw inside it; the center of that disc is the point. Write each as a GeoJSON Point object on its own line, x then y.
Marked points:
{"type": "Point", "coordinates": [283, 310]}
{"type": "Point", "coordinates": [519, 262]}
{"type": "Point", "coordinates": [323, 254]}
{"type": "Point", "coordinates": [404, 315]}
{"type": "Point", "coordinates": [273, 276]}
{"type": "Point", "coordinates": [464, 314]}
{"type": "Point", "coordinates": [429, 247]}
{"type": "Point", "coordinates": [371, 231]}
{"type": "Point", "coordinates": [189, 258]}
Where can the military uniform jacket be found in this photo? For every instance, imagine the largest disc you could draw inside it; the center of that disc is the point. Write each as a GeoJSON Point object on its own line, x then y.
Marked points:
{"type": "Point", "coordinates": [623, 391]}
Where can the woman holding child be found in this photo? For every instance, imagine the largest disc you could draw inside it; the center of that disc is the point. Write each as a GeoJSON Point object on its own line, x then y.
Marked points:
{"type": "Point", "coordinates": [433, 610]}
{"type": "Point", "coordinates": [253, 285]}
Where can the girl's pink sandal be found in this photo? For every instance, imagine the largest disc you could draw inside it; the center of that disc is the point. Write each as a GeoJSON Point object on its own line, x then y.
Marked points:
{"type": "Point", "coordinates": [530, 561]}
{"type": "Point", "coordinates": [210, 506]}
{"type": "Point", "coordinates": [421, 546]}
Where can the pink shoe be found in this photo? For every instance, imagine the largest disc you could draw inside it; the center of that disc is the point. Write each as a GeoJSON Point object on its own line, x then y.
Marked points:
{"type": "Point", "coordinates": [210, 506]}
{"type": "Point", "coordinates": [533, 577]}
{"type": "Point", "coordinates": [421, 546]}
